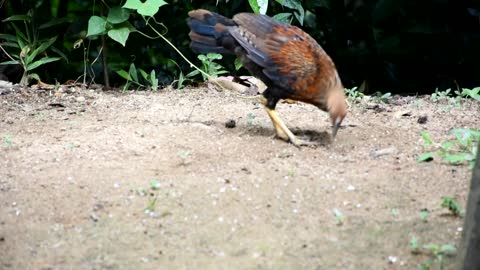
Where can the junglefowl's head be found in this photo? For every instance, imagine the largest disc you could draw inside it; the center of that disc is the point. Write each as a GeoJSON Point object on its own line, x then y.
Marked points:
{"type": "Point", "coordinates": [337, 107]}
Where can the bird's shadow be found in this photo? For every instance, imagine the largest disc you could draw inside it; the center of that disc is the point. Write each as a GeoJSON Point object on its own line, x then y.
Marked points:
{"type": "Point", "coordinates": [312, 136]}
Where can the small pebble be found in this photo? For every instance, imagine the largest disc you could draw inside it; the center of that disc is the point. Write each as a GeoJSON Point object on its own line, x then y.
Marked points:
{"type": "Point", "coordinates": [350, 188]}
{"type": "Point", "coordinates": [230, 123]}
{"type": "Point", "coordinates": [80, 99]}
{"type": "Point", "coordinates": [422, 119]}
{"type": "Point", "coordinates": [94, 217]}
{"type": "Point", "coordinates": [392, 259]}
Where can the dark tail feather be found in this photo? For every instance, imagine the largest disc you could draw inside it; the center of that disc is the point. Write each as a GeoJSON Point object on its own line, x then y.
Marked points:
{"type": "Point", "coordinates": [209, 32]}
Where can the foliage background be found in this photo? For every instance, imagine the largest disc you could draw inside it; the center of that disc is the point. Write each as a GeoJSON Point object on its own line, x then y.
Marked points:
{"type": "Point", "coordinates": [398, 46]}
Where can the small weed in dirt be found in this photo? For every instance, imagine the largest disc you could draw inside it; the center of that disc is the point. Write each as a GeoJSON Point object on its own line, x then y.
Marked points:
{"type": "Point", "coordinates": [209, 66]}
{"type": "Point", "coordinates": [184, 154]}
{"type": "Point", "coordinates": [452, 205]}
{"type": "Point", "coordinates": [132, 78]}
{"type": "Point", "coordinates": [446, 96]}
{"type": "Point", "coordinates": [291, 172]}
{"type": "Point", "coordinates": [7, 140]}
{"type": "Point", "coordinates": [424, 214]}
{"type": "Point", "coordinates": [339, 216]}
{"type": "Point", "coordinates": [436, 253]}
{"type": "Point", "coordinates": [469, 93]}
{"type": "Point", "coordinates": [250, 118]}
{"type": "Point", "coordinates": [460, 150]}
{"type": "Point", "coordinates": [353, 95]}
{"type": "Point", "coordinates": [154, 187]}
{"type": "Point", "coordinates": [395, 212]}
{"type": "Point", "coordinates": [382, 98]}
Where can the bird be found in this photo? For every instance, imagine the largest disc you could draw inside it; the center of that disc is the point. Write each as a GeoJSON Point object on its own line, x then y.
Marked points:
{"type": "Point", "coordinates": [289, 61]}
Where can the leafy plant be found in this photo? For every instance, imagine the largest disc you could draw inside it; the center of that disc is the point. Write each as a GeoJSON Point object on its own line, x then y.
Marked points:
{"type": "Point", "coordinates": [7, 140]}
{"type": "Point", "coordinates": [183, 154]}
{"type": "Point", "coordinates": [452, 205]}
{"type": "Point", "coordinates": [436, 253]}
{"type": "Point", "coordinates": [462, 149]}
{"type": "Point", "coordinates": [132, 77]}
{"type": "Point", "coordinates": [382, 98]}
{"type": "Point", "coordinates": [440, 95]}
{"type": "Point", "coordinates": [115, 25]}
{"type": "Point", "coordinates": [354, 95]}
{"type": "Point", "coordinates": [209, 66]}
{"type": "Point", "coordinates": [394, 211]}
{"type": "Point", "coordinates": [339, 216]}
{"type": "Point", "coordinates": [250, 118]}
{"type": "Point", "coordinates": [150, 208]}
{"type": "Point", "coordinates": [27, 49]}
{"type": "Point", "coordinates": [469, 93]}
{"type": "Point", "coordinates": [424, 215]}
{"type": "Point", "coordinates": [261, 6]}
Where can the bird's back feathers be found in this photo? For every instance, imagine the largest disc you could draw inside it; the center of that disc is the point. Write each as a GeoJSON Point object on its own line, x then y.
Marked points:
{"type": "Point", "coordinates": [288, 60]}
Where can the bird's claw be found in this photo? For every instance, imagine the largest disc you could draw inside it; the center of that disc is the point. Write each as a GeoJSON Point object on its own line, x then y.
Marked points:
{"type": "Point", "coordinates": [300, 142]}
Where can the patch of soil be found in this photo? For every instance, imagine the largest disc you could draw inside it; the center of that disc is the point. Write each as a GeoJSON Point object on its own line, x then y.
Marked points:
{"type": "Point", "coordinates": [78, 166]}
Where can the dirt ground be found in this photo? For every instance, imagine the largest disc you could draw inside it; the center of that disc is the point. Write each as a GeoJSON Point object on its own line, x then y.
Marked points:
{"type": "Point", "coordinates": [77, 170]}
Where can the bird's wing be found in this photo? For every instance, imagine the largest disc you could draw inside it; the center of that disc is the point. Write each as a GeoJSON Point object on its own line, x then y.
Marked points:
{"type": "Point", "coordinates": [289, 57]}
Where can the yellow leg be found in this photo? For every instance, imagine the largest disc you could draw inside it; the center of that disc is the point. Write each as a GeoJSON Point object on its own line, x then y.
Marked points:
{"type": "Point", "coordinates": [289, 101]}
{"type": "Point", "coordinates": [282, 130]}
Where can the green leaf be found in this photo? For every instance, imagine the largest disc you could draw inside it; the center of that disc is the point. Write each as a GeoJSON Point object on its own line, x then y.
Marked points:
{"type": "Point", "coordinates": [34, 76]}
{"type": "Point", "coordinates": [254, 6]}
{"type": "Point", "coordinates": [296, 5]}
{"type": "Point", "coordinates": [11, 62]}
{"type": "Point", "coordinates": [424, 214]}
{"type": "Point", "coordinates": [259, 6]}
{"type": "Point", "coordinates": [154, 80]}
{"type": "Point", "coordinates": [43, 47]}
{"type": "Point", "coordinates": [10, 44]}
{"type": "Point", "coordinates": [17, 18]}
{"type": "Point", "coordinates": [124, 74]}
{"type": "Point", "coordinates": [431, 247]}
{"type": "Point", "coordinates": [155, 184]}
{"type": "Point", "coordinates": [54, 22]}
{"type": "Point", "coordinates": [120, 34]}
{"type": "Point", "coordinates": [193, 73]}
{"type": "Point", "coordinates": [214, 56]}
{"type": "Point", "coordinates": [448, 248]}
{"type": "Point", "coordinates": [425, 157]}
{"type": "Point", "coordinates": [456, 159]}
{"type": "Point", "coordinates": [238, 63]}
{"type": "Point", "coordinates": [447, 145]}
{"type": "Point", "coordinates": [133, 72]}
{"type": "Point", "coordinates": [96, 26]}
{"type": "Point", "coordinates": [21, 38]}
{"type": "Point", "coordinates": [284, 17]}
{"type": "Point", "coordinates": [8, 37]}
{"type": "Point", "coordinates": [144, 74]}
{"type": "Point", "coordinates": [118, 15]}
{"type": "Point", "coordinates": [414, 243]}
{"type": "Point", "coordinates": [41, 62]}
{"type": "Point", "coordinates": [148, 8]}
{"type": "Point", "coordinates": [426, 138]}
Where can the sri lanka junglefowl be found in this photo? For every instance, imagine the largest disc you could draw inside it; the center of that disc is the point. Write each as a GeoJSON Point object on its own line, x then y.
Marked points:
{"type": "Point", "coordinates": [289, 61]}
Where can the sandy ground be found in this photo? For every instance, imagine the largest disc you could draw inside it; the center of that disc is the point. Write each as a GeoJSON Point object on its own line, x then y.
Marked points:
{"type": "Point", "coordinates": [92, 180]}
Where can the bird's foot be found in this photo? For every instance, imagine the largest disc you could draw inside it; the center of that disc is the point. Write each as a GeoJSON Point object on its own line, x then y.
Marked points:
{"type": "Point", "coordinates": [301, 142]}
{"type": "Point", "coordinates": [296, 141]}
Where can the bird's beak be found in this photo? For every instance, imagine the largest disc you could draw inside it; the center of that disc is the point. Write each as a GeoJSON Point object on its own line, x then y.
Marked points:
{"type": "Point", "coordinates": [335, 127]}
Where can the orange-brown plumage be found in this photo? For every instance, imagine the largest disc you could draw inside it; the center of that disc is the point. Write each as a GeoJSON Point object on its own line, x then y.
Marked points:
{"type": "Point", "coordinates": [289, 61]}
